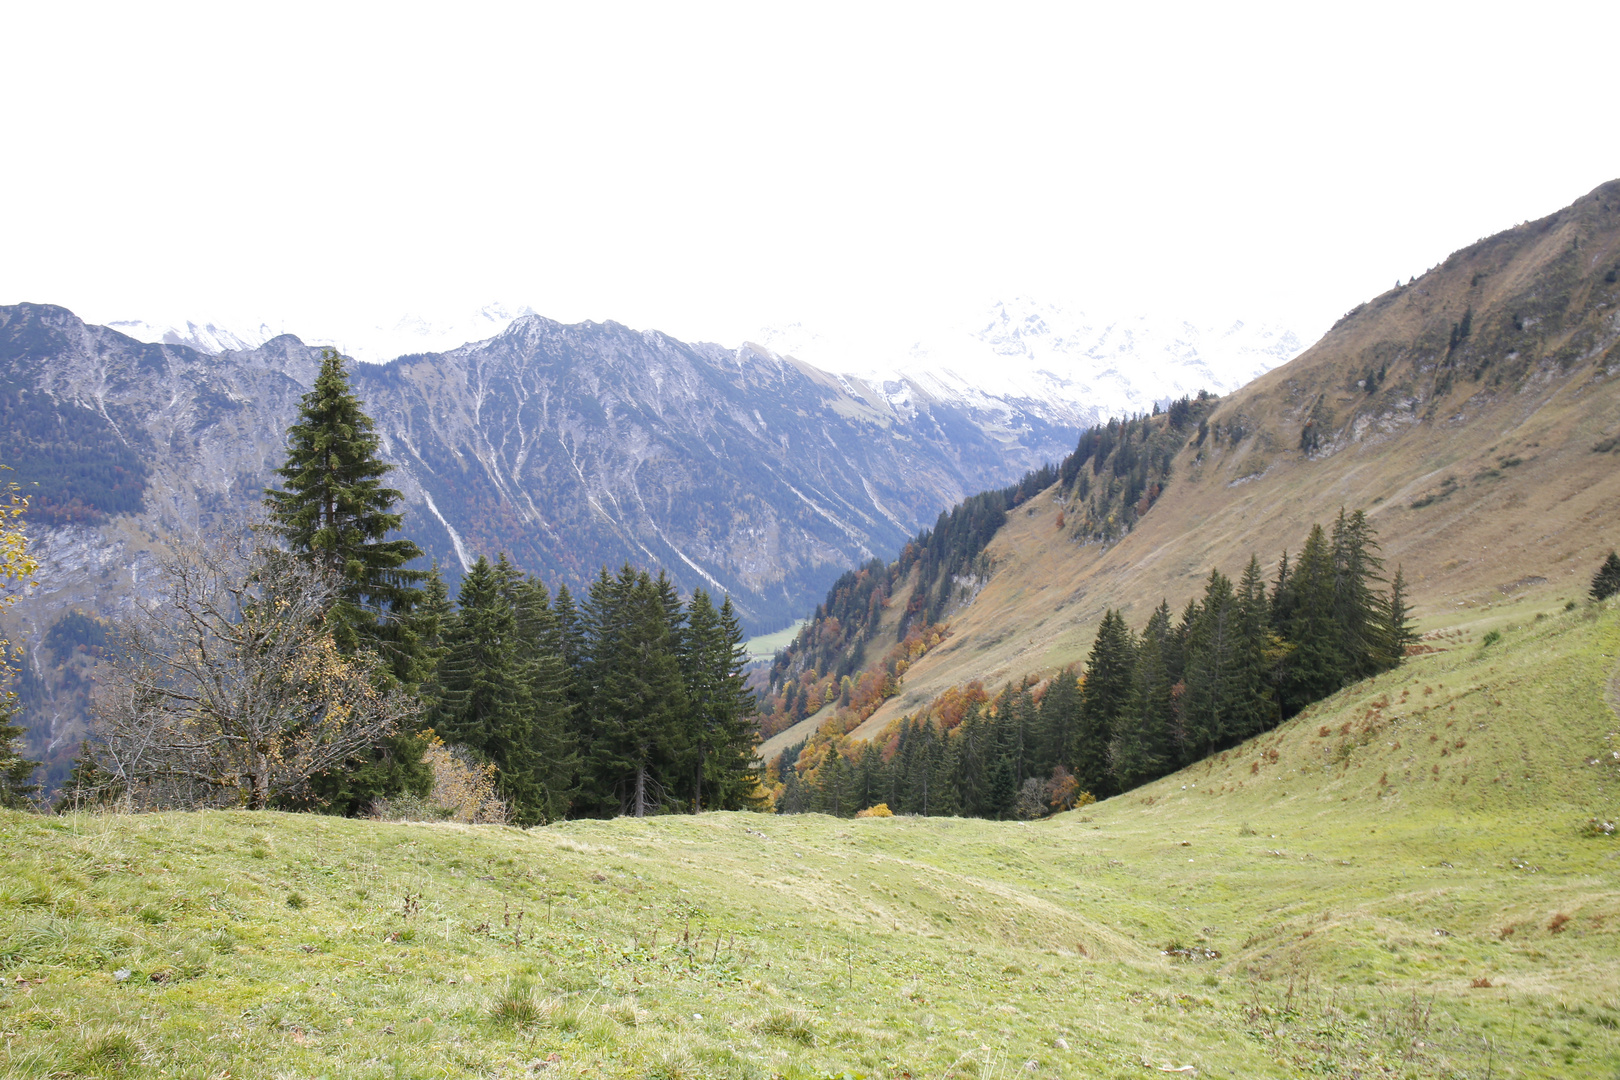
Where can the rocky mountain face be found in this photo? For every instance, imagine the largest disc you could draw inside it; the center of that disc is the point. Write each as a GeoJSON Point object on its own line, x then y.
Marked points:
{"type": "Point", "coordinates": [569, 447]}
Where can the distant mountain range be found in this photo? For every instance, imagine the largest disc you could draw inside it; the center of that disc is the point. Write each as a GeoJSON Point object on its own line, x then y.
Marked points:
{"type": "Point", "coordinates": [1072, 367]}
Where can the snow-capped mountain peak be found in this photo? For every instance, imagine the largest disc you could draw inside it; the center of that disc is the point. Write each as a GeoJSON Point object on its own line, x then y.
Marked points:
{"type": "Point", "coordinates": [1066, 363]}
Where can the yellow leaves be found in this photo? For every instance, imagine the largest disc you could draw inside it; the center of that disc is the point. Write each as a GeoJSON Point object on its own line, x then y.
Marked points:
{"type": "Point", "coordinates": [462, 788]}
{"type": "Point", "coordinates": [17, 567]}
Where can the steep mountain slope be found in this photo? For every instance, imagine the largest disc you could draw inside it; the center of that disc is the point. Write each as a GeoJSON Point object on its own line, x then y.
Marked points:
{"type": "Point", "coordinates": [569, 447]}
{"type": "Point", "coordinates": [1474, 413]}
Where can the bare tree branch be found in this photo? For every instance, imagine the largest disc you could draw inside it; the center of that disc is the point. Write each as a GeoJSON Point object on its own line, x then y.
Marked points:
{"type": "Point", "coordinates": [228, 691]}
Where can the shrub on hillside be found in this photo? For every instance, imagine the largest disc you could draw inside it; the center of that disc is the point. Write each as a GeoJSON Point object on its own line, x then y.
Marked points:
{"type": "Point", "coordinates": [463, 791]}
{"type": "Point", "coordinates": [1606, 582]}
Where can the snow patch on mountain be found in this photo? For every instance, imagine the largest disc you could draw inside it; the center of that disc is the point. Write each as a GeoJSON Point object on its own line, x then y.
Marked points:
{"type": "Point", "coordinates": [205, 337]}
{"type": "Point", "coordinates": [374, 344]}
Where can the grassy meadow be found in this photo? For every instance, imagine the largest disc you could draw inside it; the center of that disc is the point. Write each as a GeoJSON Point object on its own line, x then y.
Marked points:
{"type": "Point", "coordinates": [1399, 883]}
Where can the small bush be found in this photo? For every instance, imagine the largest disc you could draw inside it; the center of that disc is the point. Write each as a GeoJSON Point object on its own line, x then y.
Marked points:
{"type": "Point", "coordinates": [880, 810]}
{"type": "Point", "coordinates": [1490, 639]}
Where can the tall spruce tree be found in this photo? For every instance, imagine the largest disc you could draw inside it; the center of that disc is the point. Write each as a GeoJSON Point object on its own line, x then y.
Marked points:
{"type": "Point", "coordinates": [335, 511]}
{"type": "Point", "coordinates": [1357, 570]}
{"type": "Point", "coordinates": [1212, 653]}
{"type": "Point", "coordinates": [720, 746]}
{"type": "Point", "coordinates": [637, 704]}
{"type": "Point", "coordinates": [549, 683]}
{"type": "Point", "coordinates": [974, 744]}
{"type": "Point", "coordinates": [1143, 745]}
{"type": "Point", "coordinates": [1397, 632]}
{"type": "Point", "coordinates": [1253, 706]}
{"type": "Point", "coordinates": [485, 703]}
{"type": "Point", "coordinates": [1316, 665]}
{"type": "Point", "coordinates": [1103, 697]}
{"type": "Point", "coordinates": [1059, 714]}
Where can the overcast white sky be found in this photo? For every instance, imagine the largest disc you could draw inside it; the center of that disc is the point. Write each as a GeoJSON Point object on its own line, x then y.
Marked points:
{"type": "Point", "coordinates": [707, 170]}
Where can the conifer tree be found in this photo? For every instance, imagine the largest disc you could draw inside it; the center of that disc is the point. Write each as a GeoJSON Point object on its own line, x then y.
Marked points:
{"type": "Point", "coordinates": [1397, 632]}
{"type": "Point", "coordinates": [872, 780]}
{"type": "Point", "coordinates": [1315, 665]}
{"type": "Point", "coordinates": [1143, 743]}
{"type": "Point", "coordinates": [1356, 603]}
{"type": "Point", "coordinates": [433, 617]}
{"type": "Point", "coordinates": [17, 787]}
{"type": "Point", "coordinates": [335, 510]}
{"type": "Point", "coordinates": [549, 684]}
{"type": "Point", "coordinates": [1212, 652]}
{"type": "Point", "coordinates": [1059, 715]}
{"type": "Point", "coordinates": [973, 742]}
{"type": "Point", "coordinates": [570, 631]}
{"type": "Point", "coordinates": [485, 702]}
{"type": "Point", "coordinates": [919, 768]}
{"type": "Point", "coordinates": [944, 791]}
{"type": "Point", "coordinates": [1606, 582]}
{"type": "Point", "coordinates": [1252, 707]}
{"type": "Point", "coordinates": [792, 800]}
{"type": "Point", "coordinates": [1103, 697]}
{"type": "Point", "coordinates": [720, 746]}
{"type": "Point", "coordinates": [637, 700]}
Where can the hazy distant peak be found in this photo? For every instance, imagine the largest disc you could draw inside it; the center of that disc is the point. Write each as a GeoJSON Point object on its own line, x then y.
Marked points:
{"type": "Point", "coordinates": [205, 337]}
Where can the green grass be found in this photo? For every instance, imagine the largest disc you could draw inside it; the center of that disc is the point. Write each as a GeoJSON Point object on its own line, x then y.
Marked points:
{"type": "Point", "coordinates": [767, 646]}
{"type": "Point", "coordinates": [1353, 899]}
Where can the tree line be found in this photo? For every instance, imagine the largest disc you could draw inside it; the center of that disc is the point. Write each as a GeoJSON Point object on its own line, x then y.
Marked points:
{"type": "Point", "coordinates": [308, 665]}
{"type": "Point", "coordinates": [1236, 662]}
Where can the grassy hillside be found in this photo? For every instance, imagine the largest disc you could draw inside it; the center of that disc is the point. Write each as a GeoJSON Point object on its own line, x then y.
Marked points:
{"type": "Point", "coordinates": [1332, 899]}
{"type": "Point", "coordinates": [1474, 414]}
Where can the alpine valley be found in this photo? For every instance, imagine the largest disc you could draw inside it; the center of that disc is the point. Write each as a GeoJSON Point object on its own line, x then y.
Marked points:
{"type": "Point", "coordinates": [569, 447]}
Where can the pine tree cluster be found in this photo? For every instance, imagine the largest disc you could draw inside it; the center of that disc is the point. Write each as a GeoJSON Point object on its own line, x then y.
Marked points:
{"type": "Point", "coordinates": [631, 702]}
{"type": "Point", "coordinates": [1236, 662]}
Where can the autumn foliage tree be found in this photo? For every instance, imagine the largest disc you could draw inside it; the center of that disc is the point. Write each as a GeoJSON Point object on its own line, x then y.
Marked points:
{"type": "Point", "coordinates": [16, 570]}
{"type": "Point", "coordinates": [227, 689]}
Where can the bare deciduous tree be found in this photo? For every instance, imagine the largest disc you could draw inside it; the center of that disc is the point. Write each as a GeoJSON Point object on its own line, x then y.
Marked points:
{"type": "Point", "coordinates": [227, 690]}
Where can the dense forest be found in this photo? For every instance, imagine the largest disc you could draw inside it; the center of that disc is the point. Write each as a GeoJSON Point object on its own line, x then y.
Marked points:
{"type": "Point", "coordinates": [1236, 662]}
